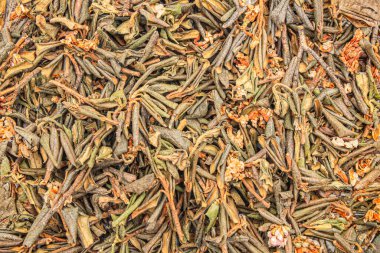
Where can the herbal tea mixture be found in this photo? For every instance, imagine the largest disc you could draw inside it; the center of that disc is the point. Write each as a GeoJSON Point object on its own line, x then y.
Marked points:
{"type": "Point", "coordinates": [190, 126]}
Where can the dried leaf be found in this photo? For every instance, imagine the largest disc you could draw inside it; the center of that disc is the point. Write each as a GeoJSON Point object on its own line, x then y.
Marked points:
{"type": "Point", "coordinates": [84, 231]}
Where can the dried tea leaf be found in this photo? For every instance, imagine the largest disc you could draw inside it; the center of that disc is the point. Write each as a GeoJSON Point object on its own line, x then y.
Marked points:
{"type": "Point", "coordinates": [84, 231]}
{"type": "Point", "coordinates": [141, 185]}
{"type": "Point", "coordinates": [42, 5]}
{"type": "Point", "coordinates": [70, 215]}
{"type": "Point", "coordinates": [7, 205]}
{"type": "Point", "coordinates": [22, 67]}
{"type": "Point", "coordinates": [68, 23]}
{"type": "Point", "coordinates": [173, 136]}
{"type": "Point", "coordinates": [45, 27]}
{"type": "Point", "coordinates": [361, 13]}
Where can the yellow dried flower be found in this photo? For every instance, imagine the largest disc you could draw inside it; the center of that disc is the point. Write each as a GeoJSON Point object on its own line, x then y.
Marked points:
{"type": "Point", "coordinates": [235, 168]}
{"type": "Point", "coordinates": [7, 131]}
{"type": "Point", "coordinates": [278, 235]}
{"type": "Point", "coordinates": [303, 244]}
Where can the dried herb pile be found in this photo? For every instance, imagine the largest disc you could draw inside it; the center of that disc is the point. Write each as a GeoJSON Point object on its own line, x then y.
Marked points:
{"type": "Point", "coordinates": [189, 126]}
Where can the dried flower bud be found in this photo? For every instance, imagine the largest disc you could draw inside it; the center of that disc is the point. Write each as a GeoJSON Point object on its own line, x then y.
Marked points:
{"type": "Point", "coordinates": [278, 235]}
{"type": "Point", "coordinates": [235, 168]}
{"type": "Point", "coordinates": [303, 244]}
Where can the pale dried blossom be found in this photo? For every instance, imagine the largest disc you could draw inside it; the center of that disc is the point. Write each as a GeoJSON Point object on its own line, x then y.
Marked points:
{"type": "Point", "coordinates": [327, 46]}
{"type": "Point", "coordinates": [235, 168]}
{"type": "Point", "coordinates": [70, 40]}
{"type": "Point", "coordinates": [278, 235]}
{"type": "Point", "coordinates": [339, 142]}
{"type": "Point", "coordinates": [159, 9]}
{"type": "Point", "coordinates": [243, 119]}
{"type": "Point", "coordinates": [373, 214]}
{"type": "Point", "coordinates": [251, 14]}
{"type": "Point", "coordinates": [237, 138]}
{"type": "Point", "coordinates": [312, 73]}
{"type": "Point", "coordinates": [347, 88]}
{"type": "Point", "coordinates": [242, 61]}
{"type": "Point", "coordinates": [52, 191]}
{"type": "Point", "coordinates": [7, 131]}
{"type": "Point", "coordinates": [209, 37]}
{"type": "Point", "coordinates": [239, 93]}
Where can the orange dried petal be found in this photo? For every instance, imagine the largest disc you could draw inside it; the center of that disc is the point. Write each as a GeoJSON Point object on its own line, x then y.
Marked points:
{"type": "Point", "coordinates": [376, 133]}
{"type": "Point", "coordinates": [352, 52]}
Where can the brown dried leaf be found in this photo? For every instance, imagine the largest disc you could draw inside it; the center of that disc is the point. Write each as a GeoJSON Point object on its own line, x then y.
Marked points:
{"type": "Point", "coordinates": [361, 13]}
{"type": "Point", "coordinates": [47, 28]}
{"type": "Point", "coordinates": [7, 205]}
{"type": "Point", "coordinates": [68, 23]}
{"type": "Point", "coordinates": [42, 5]}
{"type": "Point", "coordinates": [141, 185]}
{"type": "Point", "coordinates": [84, 231]}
